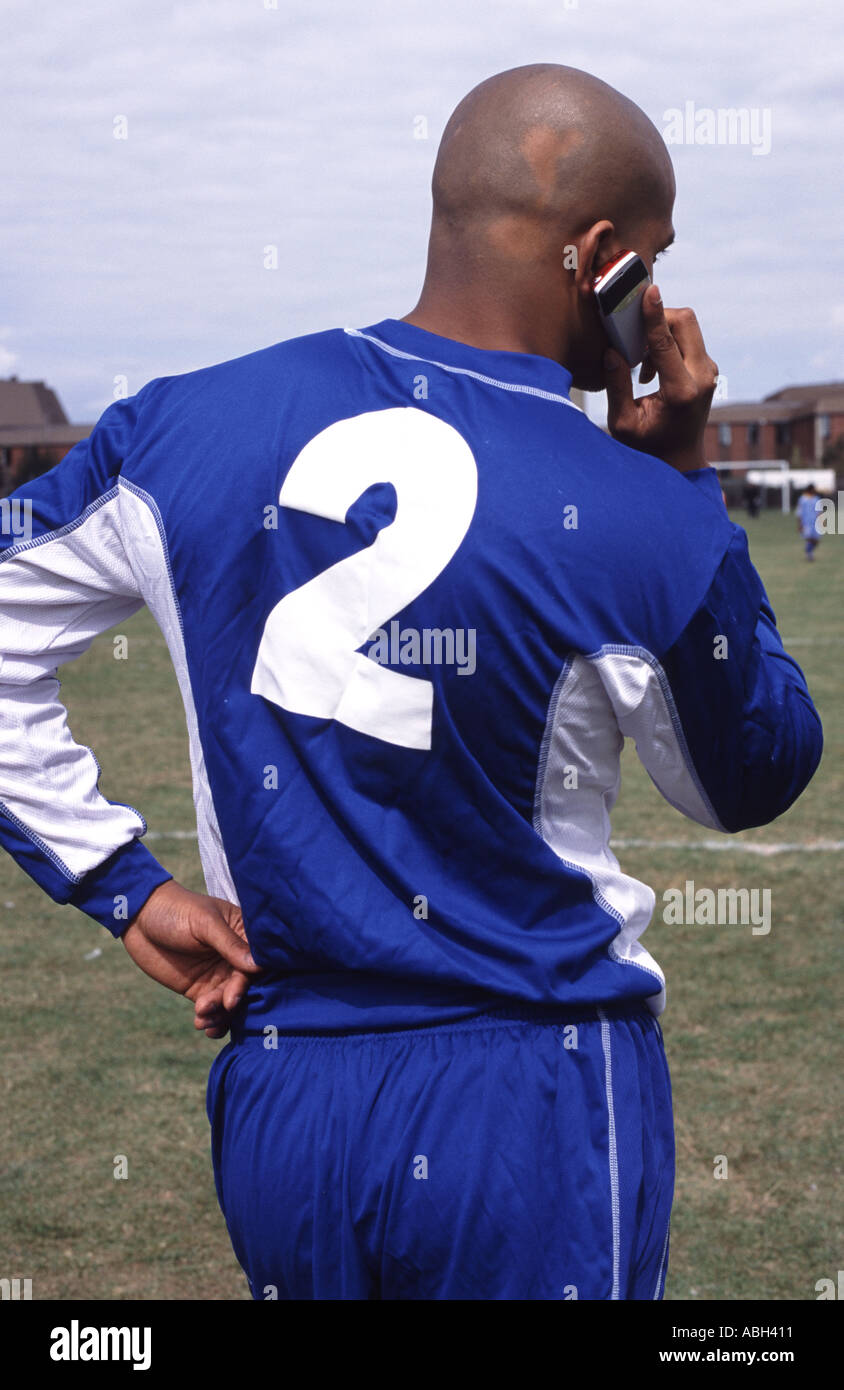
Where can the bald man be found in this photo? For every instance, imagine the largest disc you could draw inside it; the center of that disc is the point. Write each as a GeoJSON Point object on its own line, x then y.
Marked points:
{"type": "Point", "coordinates": [412, 628]}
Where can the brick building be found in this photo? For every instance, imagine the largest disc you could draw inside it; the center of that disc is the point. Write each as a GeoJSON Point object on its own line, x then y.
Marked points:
{"type": "Point", "coordinates": [798, 424]}
{"type": "Point", "coordinates": [35, 432]}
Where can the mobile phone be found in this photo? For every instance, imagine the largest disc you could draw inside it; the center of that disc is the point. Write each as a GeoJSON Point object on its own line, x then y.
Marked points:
{"type": "Point", "coordinates": [618, 294]}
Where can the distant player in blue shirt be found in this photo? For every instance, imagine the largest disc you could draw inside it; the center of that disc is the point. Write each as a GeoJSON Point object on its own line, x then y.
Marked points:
{"type": "Point", "coordinates": [416, 601]}
{"type": "Point", "coordinates": [808, 519]}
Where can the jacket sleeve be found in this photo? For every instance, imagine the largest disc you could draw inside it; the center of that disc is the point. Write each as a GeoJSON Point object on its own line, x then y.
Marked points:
{"type": "Point", "coordinates": [723, 720]}
{"type": "Point", "coordinates": [64, 579]}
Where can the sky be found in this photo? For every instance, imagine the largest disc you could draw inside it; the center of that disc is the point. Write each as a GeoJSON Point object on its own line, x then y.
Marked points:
{"type": "Point", "coordinates": [151, 152]}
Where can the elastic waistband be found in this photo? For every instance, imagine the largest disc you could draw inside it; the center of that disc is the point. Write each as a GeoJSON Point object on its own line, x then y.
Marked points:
{"type": "Point", "coordinates": [318, 1012]}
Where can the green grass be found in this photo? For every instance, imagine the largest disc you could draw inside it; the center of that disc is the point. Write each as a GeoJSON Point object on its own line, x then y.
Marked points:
{"type": "Point", "coordinates": [98, 1061]}
{"type": "Point", "coordinates": [751, 1026]}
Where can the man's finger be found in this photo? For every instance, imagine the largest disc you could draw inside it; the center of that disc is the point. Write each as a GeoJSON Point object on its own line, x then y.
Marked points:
{"type": "Point", "coordinates": [686, 333]}
{"type": "Point", "coordinates": [647, 371]}
{"type": "Point", "coordinates": [211, 1018]}
{"type": "Point", "coordinates": [213, 1030]}
{"type": "Point", "coordinates": [675, 380]}
{"type": "Point", "coordinates": [220, 999]}
{"type": "Point", "coordinates": [209, 1003]}
{"type": "Point", "coordinates": [234, 989]}
{"type": "Point", "coordinates": [621, 410]}
{"type": "Point", "coordinates": [214, 932]}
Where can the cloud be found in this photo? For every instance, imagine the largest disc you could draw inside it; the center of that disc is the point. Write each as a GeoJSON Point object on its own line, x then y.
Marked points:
{"type": "Point", "coordinates": [249, 126]}
{"type": "Point", "coordinates": [8, 361]}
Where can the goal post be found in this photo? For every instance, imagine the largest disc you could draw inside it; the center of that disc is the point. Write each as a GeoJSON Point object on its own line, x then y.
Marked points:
{"type": "Point", "coordinates": [778, 473]}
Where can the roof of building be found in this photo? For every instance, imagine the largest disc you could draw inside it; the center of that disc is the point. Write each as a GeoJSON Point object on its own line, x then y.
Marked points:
{"type": "Point", "coordinates": [752, 411]}
{"type": "Point", "coordinates": [789, 403]}
{"type": "Point", "coordinates": [29, 403]}
{"type": "Point", "coordinates": [799, 395]}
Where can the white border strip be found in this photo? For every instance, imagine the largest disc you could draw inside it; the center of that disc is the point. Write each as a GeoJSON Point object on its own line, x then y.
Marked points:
{"type": "Point", "coordinates": [465, 371]}
{"type": "Point", "coordinates": [613, 1155]}
{"type": "Point", "coordinates": [147, 548]}
{"type": "Point", "coordinates": [662, 1262]}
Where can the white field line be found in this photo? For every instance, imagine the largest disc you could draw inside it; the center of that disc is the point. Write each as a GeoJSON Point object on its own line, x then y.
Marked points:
{"type": "Point", "coordinates": [727, 846]}
{"type": "Point", "coordinates": [737, 846]}
{"type": "Point", "coordinates": [170, 835]}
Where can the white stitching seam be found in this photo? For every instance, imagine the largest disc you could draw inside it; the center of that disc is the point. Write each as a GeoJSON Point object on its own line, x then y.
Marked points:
{"type": "Point", "coordinates": [662, 1262]}
{"type": "Point", "coordinates": [613, 1155]}
{"type": "Point", "coordinates": [465, 371]}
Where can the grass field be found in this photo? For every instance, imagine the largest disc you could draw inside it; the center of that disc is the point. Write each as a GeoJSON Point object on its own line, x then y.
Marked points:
{"type": "Point", "coordinates": [99, 1061]}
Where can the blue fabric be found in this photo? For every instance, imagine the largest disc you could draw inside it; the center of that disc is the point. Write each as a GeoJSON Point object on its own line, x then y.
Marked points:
{"type": "Point", "coordinates": [329, 856]}
{"type": "Point", "coordinates": [730, 657]}
{"type": "Point", "coordinates": [118, 888]}
{"type": "Point", "coordinates": [486, 1160]}
{"type": "Point", "coordinates": [328, 862]}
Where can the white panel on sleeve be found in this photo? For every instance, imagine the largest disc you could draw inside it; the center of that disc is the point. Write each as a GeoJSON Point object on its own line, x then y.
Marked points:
{"type": "Point", "coordinates": [577, 786]}
{"type": "Point", "coordinates": [145, 540]}
{"type": "Point", "coordinates": [57, 593]}
{"type": "Point", "coordinates": [641, 699]}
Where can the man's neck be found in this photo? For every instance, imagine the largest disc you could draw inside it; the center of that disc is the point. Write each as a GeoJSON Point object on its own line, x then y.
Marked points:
{"type": "Point", "coordinates": [486, 326]}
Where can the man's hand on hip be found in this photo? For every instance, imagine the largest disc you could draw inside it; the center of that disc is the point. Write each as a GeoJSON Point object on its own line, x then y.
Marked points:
{"type": "Point", "coordinates": [669, 423]}
{"type": "Point", "coordinates": [196, 946]}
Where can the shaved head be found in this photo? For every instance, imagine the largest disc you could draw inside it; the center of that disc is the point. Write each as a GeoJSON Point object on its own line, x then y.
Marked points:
{"type": "Point", "coordinates": [550, 144]}
{"type": "Point", "coordinates": [535, 161]}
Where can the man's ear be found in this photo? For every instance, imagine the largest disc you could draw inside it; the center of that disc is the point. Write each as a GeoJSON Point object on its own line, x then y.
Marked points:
{"type": "Point", "coordinates": [597, 245]}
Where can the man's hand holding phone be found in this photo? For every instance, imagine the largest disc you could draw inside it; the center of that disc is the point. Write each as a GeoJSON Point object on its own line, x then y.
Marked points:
{"type": "Point", "coordinates": [669, 423]}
